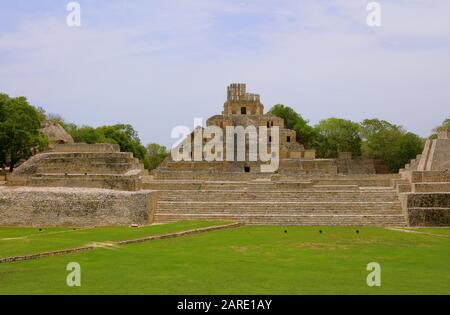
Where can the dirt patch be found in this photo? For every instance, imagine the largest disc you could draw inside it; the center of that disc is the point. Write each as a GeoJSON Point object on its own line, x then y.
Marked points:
{"type": "Point", "coordinates": [320, 246]}
{"type": "Point", "coordinates": [240, 249]}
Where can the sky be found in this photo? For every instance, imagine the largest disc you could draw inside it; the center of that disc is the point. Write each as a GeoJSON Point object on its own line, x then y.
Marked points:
{"type": "Point", "coordinates": [159, 64]}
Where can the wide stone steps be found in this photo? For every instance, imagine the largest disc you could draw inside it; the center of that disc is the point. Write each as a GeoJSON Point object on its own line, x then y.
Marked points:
{"type": "Point", "coordinates": [105, 181]}
{"type": "Point", "coordinates": [95, 156]}
{"type": "Point", "coordinates": [242, 185]}
{"type": "Point", "coordinates": [385, 182]}
{"type": "Point", "coordinates": [299, 196]}
{"type": "Point", "coordinates": [311, 200]}
{"type": "Point", "coordinates": [270, 219]}
{"type": "Point", "coordinates": [105, 168]}
{"type": "Point", "coordinates": [431, 187]}
{"type": "Point", "coordinates": [155, 185]}
{"type": "Point", "coordinates": [278, 206]}
{"type": "Point", "coordinates": [335, 187]}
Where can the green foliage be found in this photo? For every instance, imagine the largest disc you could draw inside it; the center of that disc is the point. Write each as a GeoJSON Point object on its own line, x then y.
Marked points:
{"type": "Point", "coordinates": [128, 140]}
{"type": "Point", "coordinates": [86, 134]}
{"type": "Point", "coordinates": [389, 143]}
{"type": "Point", "coordinates": [19, 130]}
{"type": "Point", "coordinates": [442, 127]}
{"type": "Point", "coordinates": [3, 99]}
{"type": "Point", "coordinates": [156, 154]}
{"type": "Point", "coordinates": [123, 135]}
{"type": "Point", "coordinates": [292, 120]}
{"type": "Point", "coordinates": [336, 135]}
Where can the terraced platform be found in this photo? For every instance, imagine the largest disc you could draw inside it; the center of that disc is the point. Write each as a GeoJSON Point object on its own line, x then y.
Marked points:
{"type": "Point", "coordinates": [89, 166]}
{"type": "Point", "coordinates": [334, 200]}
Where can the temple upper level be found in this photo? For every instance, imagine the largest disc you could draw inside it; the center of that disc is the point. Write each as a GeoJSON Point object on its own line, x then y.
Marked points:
{"type": "Point", "coordinates": [239, 102]}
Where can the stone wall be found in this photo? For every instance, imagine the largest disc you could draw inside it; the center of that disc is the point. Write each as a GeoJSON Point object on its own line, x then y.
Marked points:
{"type": "Point", "coordinates": [33, 206]}
{"type": "Point", "coordinates": [436, 154]}
{"type": "Point", "coordinates": [425, 185]}
{"type": "Point", "coordinates": [215, 170]}
{"type": "Point", "coordinates": [428, 209]}
{"type": "Point", "coordinates": [346, 164]}
{"type": "Point", "coordinates": [84, 147]}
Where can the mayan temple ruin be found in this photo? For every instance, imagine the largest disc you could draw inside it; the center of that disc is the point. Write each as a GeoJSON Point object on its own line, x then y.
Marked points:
{"type": "Point", "coordinates": [242, 109]}
{"type": "Point", "coordinates": [86, 185]}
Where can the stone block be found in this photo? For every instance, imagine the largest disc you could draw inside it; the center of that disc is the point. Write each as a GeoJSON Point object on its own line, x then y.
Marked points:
{"type": "Point", "coordinates": [38, 206]}
{"type": "Point", "coordinates": [429, 217]}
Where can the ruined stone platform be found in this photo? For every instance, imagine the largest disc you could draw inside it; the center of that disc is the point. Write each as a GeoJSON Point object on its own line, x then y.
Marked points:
{"type": "Point", "coordinates": [81, 165]}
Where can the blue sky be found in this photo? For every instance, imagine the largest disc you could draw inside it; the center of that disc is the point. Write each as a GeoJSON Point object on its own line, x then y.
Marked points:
{"type": "Point", "coordinates": [158, 64]}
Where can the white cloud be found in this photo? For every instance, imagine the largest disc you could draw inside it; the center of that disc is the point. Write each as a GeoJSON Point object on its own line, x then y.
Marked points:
{"type": "Point", "coordinates": [161, 65]}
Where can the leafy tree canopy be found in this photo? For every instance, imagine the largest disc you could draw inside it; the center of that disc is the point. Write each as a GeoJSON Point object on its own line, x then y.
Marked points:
{"type": "Point", "coordinates": [19, 130]}
{"type": "Point", "coordinates": [336, 135]}
{"type": "Point", "coordinates": [389, 143]}
{"type": "Point", "coordinates": [442, 127]}
{"type": "Point", "coordinates": [294, 121]}
{"type": "Point", "coordinates": [122, 134]}
{"type": "Point", "coordinates": [156, 154]}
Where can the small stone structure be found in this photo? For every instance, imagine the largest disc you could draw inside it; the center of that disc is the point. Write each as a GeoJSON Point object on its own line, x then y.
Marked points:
{"type": "Point", "coordinates": [56, 134]}
{"type": "Point", "coordinates": [81, 165]}
{"type": "Point", "coordinates": [424, 187]}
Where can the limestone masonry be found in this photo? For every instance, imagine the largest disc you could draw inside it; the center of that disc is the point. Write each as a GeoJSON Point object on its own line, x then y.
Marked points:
{"type": "Point", "coordinates": [245, 109]}
{"type": "Point", "coordinates": [89, 185]}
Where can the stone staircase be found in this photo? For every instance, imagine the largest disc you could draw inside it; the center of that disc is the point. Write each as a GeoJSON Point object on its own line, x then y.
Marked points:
{"type": "Point", "coordinates": [332, 201]}
{"type": "Point", "coordinates": [89, 162]}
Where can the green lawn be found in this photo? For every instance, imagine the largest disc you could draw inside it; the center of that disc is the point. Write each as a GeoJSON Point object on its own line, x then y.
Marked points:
{"type": "Point", "coordinates": [248, 260]}
{"type": "Point", "coordinates": [25, 241]}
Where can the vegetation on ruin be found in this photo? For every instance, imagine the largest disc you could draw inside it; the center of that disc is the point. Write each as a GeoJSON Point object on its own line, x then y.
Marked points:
{"type": "Point", "coordinates": [156, 154]}
{"type": "Point", "coordinates": [379, 139]}
{"type": "Point", "coordinates": [122, 134]}
{"type": "Point", "coordinates": [442, 127]}
{"type": "Point", "coordinates": [306, 134]}
{"type": "Point", "coordinates": [389, 143]}
{"type": "Point", "coordinates": [336, 135]}
{"type": "Point", "coordinates": [248, 260]}
{"type": "Point", "coordinates": [31, 240]}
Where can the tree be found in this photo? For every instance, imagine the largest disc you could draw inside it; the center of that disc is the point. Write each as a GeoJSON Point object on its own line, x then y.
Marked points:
{"type": "Point", "coordinates": [85, 134]}
{"type": "Point", "coordinates": [156, 154]}
{"type": "Point", "coordinates": [122, 134]}
{"type": "Point", "coordinates": [336, 135]}
{"type": "Point", "coordinates": [128, 140]}
{"type": "Point", "coordinates": [294, 121]}
{"type": "Point", "coordinates": [3, 99]}
{"type": "Point", "coordinates": [442, 127]}
{"type": "Point", "coordinates": [389, 143]}
{"type": "Point", "coordinates": [19, 130]}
